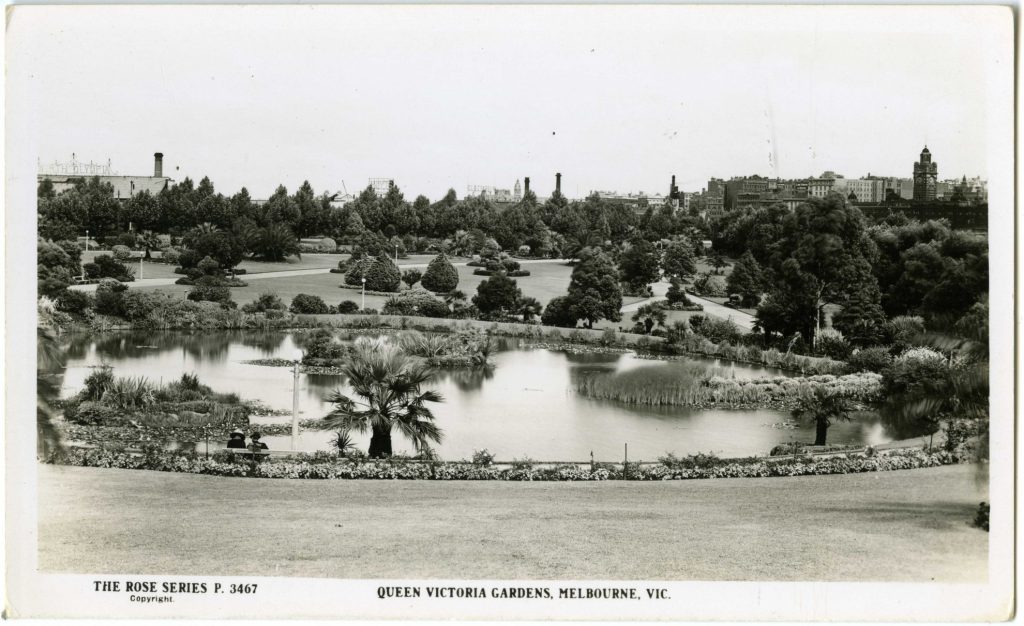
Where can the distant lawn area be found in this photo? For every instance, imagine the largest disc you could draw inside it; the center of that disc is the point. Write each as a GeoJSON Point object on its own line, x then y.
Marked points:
{"type": "Point", "coordinates": [907, 526]}
{"type": "Point", "coordinates": [547, 280]}
{"type": "Point", "coordinates": [162, 270]}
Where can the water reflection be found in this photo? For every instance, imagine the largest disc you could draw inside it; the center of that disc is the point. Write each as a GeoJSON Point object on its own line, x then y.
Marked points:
{"type": "Point", "coordinates": [525, 405]}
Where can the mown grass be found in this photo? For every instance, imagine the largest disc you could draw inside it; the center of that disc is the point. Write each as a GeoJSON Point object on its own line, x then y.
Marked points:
{"type": "Point", "coordinates": [894, 526]}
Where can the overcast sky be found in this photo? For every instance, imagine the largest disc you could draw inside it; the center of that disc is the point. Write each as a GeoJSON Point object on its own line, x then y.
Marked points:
{"type": "Point", "coordinates": [615, 98]}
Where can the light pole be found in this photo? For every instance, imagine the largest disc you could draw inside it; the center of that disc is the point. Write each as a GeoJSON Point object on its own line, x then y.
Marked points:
{"type": "Point", "coordinates": [141, 275]}
{"type": "Point", "coordinates": [295, 404]}
{"type": "Point", "coordinates": [86, 239]}
{"type": "Point", "coordinates": [363, 308]}
{"type": "Point", "coordinates": [396, 254]}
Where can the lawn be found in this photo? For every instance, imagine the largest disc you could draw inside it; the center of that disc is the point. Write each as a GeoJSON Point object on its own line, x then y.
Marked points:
{"type": "Point", "coordinates": [892, 526]}
{"type": "Point", "coordinates": [546, 281]}
{"type": "Point", "coordinates": [162, 270]}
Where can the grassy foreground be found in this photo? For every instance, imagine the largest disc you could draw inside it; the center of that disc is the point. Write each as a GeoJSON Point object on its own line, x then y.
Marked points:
{"type": "Point", "coordinates": [891, 526]}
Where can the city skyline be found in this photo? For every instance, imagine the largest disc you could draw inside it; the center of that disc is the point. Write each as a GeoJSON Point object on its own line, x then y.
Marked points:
{"type": "Point", "coordinates": [347, 94]}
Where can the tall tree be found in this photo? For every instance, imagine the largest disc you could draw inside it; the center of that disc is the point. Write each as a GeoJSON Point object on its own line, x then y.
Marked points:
{"type": "Point", "coordinates": [747, 280]}
{"type": "Point", "coordinates": [594, 291]}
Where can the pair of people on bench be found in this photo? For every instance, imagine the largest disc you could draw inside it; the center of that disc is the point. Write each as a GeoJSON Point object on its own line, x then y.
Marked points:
{"type": "Point", "coordinates": [237, 440]}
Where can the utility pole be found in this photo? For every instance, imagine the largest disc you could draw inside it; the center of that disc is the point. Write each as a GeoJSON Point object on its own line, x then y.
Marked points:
{"type": "Point", "coordinates": [295, 404]}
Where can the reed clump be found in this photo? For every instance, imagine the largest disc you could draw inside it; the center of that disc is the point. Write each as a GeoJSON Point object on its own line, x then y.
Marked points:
{"type": "Point", "coordinates": [698, 387]}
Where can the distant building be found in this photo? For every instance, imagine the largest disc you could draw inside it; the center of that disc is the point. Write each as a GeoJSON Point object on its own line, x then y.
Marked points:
{"type": "Point", "coordinates": [638, 201]}
{"type": "Point", "coordinates": [821, 187]}
{"type": "Point", "coordinates": [926, 174]}
{"type": "Point", "coordinates": [486, 192]}
{"type": "Point", "coordinates": [517, 192]}
{"type": "Point", "coordinates": [868, 189]}
{"type": "Point", "coordinates": [381, 186]}
{"type": "Point", "coordinates": [64, 175]}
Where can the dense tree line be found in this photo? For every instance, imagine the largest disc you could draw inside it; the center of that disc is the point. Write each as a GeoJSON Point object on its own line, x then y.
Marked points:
{"type": "Point", "coordinates": [827, 252]}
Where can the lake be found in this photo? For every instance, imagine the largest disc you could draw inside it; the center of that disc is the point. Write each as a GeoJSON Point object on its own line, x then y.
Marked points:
{"type": "Point", "coordinates": [526, 406]}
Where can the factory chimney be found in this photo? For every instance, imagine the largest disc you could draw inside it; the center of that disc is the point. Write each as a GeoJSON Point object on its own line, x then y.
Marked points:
{"type": "Point", "coordinates": [558, 183]}
{"type": "Point", "coordinates": [673, 191]}
{"type": "Point", "coordinates": [526, 185]}
{"type": "Point", "coordinates": [158, 165]}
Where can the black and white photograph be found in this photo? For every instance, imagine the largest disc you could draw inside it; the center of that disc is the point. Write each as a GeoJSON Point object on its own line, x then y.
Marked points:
{"type": "Point", "coordinates": [533, 312]}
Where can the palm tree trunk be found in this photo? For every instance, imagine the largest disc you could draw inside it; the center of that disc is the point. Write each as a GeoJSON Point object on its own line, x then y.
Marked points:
{"type": "Point", "coordinates": [380, 443]}
{"type": "Point", "coordinates": [820, 431]}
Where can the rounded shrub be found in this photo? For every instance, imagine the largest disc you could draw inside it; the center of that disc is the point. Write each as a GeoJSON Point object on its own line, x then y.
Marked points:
{"type": "Point", "coordinates": [441, 276]}
{"type": "Point", "coordinates": [357, 271]}
{"type": "Point", "coordinates": [171, 255]}
{"type": "Point", "coordinates": [305, 304]}
{"type": "Point", "coordinates": [121, 253]}
{"type": "Point", "coordinates": [348, 306]}
{"type": "Point", "coordinates": [383, 275]}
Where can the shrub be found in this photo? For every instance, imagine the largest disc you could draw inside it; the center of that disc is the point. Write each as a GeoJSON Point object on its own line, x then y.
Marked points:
{"type": "Point", "coordinates": [188, 258]}
{"type": "Point", "coordinates": [327, 245]}
{"type": "Point", "coordinates": [558, 312]}
{"type": "Point", "coordinates": [74, 301]}
{"type": "Point", "coordinates": [171, 256]}
{"type": "Point", "coordinates": [831, 343]}
{"type": "Point", "coordinates": [89, 413]}
{"type": "Point", "coordinates": [482, 457]}
{"type": "Point", "coordinates": [108, 296]}
{"type": "Point", "coordinates": [121, 253]}
{"type": "Point", "coordinates": [715, 329]}
{"type": "Point", "coordinates": [415, 302]}
{"type": "Point", "coordinates": [267, 301]}
{"type": "Point", "coordinates": [138, 305]}
{"type": "Point", "coordinates": [383, 275]}
{"type": "Point", "coordinates": [305, 304]}
{"type": "Point", "coordinates": [497, 296]}
{"type": "Point", "coordinates": [874, 359]}
{"type": "Point", "coordinates": [710, 285]}
{"type": "Point", "coordinates": [210, 292]}
{"type": "Point", "coordinates": [357, 271]}
{"type": "Point", "coordinates": [209, 267]}
{"type": "Point", "coordinates": [348, 306]}
{"type": "Point", "coordinates": [106, 266]}
{"type": "Point", "coordinates": [321, 349]}
{"type": "Point", "coordinates": [441, 276]}
{"type": "Point", "coordinates": [411, 277]}
{"type": "Point", "coordinates": [523, 250]}
{"type": "Point", "coordinates": [97, 383]}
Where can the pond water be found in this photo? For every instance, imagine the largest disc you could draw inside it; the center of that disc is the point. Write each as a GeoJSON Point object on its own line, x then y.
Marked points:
{"type": "Point", "coordinates": [525, 406]}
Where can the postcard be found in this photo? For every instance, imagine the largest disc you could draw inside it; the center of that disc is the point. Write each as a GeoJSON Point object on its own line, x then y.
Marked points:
{"type": "Point", "coordinates": [524, 312]}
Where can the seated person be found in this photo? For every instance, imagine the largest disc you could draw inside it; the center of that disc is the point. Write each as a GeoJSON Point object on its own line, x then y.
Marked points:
{"type": "Point", "coordinates": [256, 444]}
{"type": "Point", "coordinates": [237, 439]}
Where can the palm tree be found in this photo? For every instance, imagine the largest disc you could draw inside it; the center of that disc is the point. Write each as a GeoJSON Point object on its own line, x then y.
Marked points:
{"type": "Point", "coordinates": [388, 383]}
{"type": "Point", "coordinates": [822, 407]}
{"type": "Point", "coordinates": [49, 360]}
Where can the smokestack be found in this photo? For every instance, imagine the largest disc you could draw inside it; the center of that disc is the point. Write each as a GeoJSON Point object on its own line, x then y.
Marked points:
{"type": "Point", "coordinates": [526, 185]}
{"type": "Point", "coordinates": [158, 165]}
{"type": "Point", "coordinates": [558, 183]}
{"type": "Point", "coordinates": [673, 191]}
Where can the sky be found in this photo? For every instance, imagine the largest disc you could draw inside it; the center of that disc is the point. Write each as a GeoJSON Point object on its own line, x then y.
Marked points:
{"type": "Point", "coordinates": [437, 97]}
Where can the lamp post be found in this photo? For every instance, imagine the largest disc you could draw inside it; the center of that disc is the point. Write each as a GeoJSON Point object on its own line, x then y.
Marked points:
{"type": "Point", "coordinates": [363, 308]}
{"type": "Point", "coordinates": [141, 271]}
{"type": "Point", "coordinates": [295, 404]}
{"type": "Point", "coordinates": [396, 254]}
{"type": "Point", "coordinates": [86, 239]}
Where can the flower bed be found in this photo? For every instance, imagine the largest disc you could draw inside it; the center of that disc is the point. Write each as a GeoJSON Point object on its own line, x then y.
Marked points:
{"type": "Point", "coordinates": [323, 466]}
